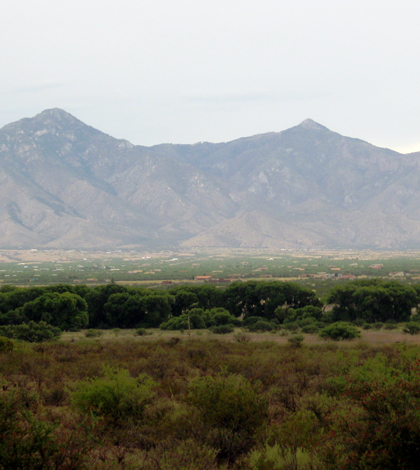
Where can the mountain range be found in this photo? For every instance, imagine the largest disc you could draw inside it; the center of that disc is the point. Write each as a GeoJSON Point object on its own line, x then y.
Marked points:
{"type": "Point", "coordinates": [64, 184]}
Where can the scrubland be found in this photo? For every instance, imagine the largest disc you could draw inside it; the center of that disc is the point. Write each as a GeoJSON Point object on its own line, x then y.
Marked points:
{"type": "Point", "coordinates": [209, 402]}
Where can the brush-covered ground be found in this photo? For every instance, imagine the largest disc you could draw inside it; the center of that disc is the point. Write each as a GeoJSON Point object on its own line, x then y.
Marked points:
{"type": "Point", "coordinates": [170, 400]}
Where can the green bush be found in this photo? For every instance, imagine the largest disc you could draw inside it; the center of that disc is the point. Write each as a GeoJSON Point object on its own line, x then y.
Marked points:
{"type": "Point", "coordinates": [339, 330]}
{"type": "Point", "coordinates": [306, 321]}
{"type": "Point", "coordinates": [231, 413]}
{"type": "Point", "coordinates": [31, 332]}
{"type": "Point", "coordinates": [412, 328]}
{"type": "Point", "coordinates": [292, 326]}
{"type": "Point", "coordinates": [141, 332]}
{"type": "Point", "coordinates": [26, 443]}
{"type": "Point", "coordinates": [242, 338]}
{"type": "Point", "coordinates": [310, 329]}
{"type": "Point", "coordinates": [377, 425]}
{"type": "Point", "coordinates": [251, 320]}
{"type": "Point", "coordinates": [222, 329]}
{"type": "Point", "coordinates": [93, 333]}
{"type": "Point", "coordinates": [296, 341]}
{"type": "Point", "coordinates": [117, 396]}
{"type": "Point", "coordinates": [221, 316]}
{"type": "Point", "coordinates": [6, 345]}
{"type": "Point", "coordinates": [194, 320]}
{"type": "Point", "coordinates": [261, 325]}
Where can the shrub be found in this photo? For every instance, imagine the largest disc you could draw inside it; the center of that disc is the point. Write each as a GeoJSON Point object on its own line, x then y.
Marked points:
{"type": "Point", "coordinates": [261, 325]}
{"type": "Point", "coordinates": [31, 332]}
{"type": "Point", "coordinates": [194, 320]}
{"type": "Point", "coordinates": [222, 329]}
{"type": "Point", "coordinates": [310, 329]}
{"type": "Point", "coordinates": [141, 332]}
{"type": "Point", "coordinates": [339, 330]}
{"type": "Point", "coordinates": [306, 321]}
{"type": "Point", "coordinates": [93, 334]}
{"type": "Point", "coordinates": [377, 425]}
{"type": "Point", "coordinates": [6, 345]}
{"type": "Point", "coordinates": [390, 326]}
{"type": "Point", "coordinates": [412, 328]}
{"type": "Point", "coordinates": [296, 341]}
{"type": "Point", "coordinates": [251, 320]}
{"type": "Point", "coordinates": [117, 396]}
{"type": "Point", "coordinates": [242, 337]}
{"type": "Point", "coordinates": [377, 325]}
{"type": "Point", "coordinates": [222, 317]}
{"type": "Point", "coordinates": [27, 443]}
{"type": "Point", "coordinates": [231, 413]}
{"type": "Point", "coordinates": [292, 326]}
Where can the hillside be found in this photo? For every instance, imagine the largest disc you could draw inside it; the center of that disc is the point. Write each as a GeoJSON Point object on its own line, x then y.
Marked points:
{"type": "Point", "coordinates": [64, 184]}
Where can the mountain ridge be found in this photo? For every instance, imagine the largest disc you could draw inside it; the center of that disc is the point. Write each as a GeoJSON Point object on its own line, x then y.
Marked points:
{"type": "Point", "coordinates": [66, 184]}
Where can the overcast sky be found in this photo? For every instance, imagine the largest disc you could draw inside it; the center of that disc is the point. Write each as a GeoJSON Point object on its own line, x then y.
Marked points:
{"type": "Point", "coordinates": [185, 71]}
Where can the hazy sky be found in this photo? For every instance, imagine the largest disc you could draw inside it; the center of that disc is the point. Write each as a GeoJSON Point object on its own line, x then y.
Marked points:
{"type": "Point", "coordinates": [184, 71]}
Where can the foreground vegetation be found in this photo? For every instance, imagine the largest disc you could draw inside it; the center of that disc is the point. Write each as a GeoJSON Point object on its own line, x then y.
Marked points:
{"type": "Point", "coordinates": [208, 404]}
{"type": "Point", "coordinates": [185, 397]}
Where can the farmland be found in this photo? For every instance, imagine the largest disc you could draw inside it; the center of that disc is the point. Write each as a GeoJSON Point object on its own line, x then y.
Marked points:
{"type": "Point", "coordinates": [318, 270]}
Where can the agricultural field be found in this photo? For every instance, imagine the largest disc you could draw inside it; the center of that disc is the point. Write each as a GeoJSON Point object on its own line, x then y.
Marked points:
{"type": "Point", "coordinates": [317, 270]}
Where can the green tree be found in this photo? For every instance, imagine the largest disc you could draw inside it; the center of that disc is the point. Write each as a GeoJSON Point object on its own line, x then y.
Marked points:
{"type": "Point", "coordinates": [262, 299]}
{"type": "Point", "coordinates": [373, 301]}
{"type": "Point", "coordinates": [184, 300]}
{"type": "Point", "coordinates": [66, 311]}
{"type": "Point", "coordinates": [96, 299]}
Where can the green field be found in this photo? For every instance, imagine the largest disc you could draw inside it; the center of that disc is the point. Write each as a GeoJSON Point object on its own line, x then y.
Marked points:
{"type": "Point", "coordinates": [318, 270]}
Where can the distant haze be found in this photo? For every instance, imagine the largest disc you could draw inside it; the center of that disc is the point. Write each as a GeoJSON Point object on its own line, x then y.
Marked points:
{"type": "Point", "coordinates": [190, 71]}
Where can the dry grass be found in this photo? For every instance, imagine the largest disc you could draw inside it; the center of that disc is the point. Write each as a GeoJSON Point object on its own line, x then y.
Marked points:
{"type": "Point", "coordinates": [369, 337]}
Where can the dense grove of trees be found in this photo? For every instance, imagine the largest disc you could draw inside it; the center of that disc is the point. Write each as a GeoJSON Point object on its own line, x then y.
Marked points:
{"type": "Point", "coordinates": [261, 305]}
{"type": "Point", "coordinates": [374, 300]}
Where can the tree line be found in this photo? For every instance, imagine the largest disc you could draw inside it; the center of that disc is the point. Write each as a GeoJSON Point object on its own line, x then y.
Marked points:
{"type": "Point", "coordinates": [69, 307]}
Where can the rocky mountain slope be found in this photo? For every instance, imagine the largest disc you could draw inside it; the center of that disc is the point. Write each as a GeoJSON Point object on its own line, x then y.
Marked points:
{"type": "Point", "coordinates": [65, 184]}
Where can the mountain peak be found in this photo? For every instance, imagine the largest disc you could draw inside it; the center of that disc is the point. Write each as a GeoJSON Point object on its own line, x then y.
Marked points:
{"type": "Point", "coordinates": [311, 124]}
{"type": "Point", "coordinates": [56, 114]}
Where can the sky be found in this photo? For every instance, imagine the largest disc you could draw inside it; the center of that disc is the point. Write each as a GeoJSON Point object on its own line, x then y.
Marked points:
{"type": "Point", "coordinates": [186, 71]}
